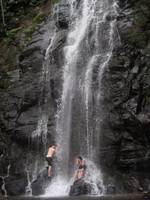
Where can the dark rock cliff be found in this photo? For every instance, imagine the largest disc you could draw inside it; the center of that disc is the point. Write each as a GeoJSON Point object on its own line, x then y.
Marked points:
{"type": "Point", "coordinates": [23, 103]}
{"type": "Point", "coordinates": [125, 141]}
{"type": "Point", "coordinates": [19, 112]}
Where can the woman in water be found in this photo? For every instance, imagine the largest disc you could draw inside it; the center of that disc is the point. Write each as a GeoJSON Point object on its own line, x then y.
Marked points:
{"type": "Point", "coordinates": [80, 162]}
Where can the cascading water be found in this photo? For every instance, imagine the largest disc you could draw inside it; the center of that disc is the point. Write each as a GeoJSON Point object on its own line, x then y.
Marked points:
{"type": "Point", "coordinates": [87, 53]}
{"type": "Point", "coordinates": [3, 189]}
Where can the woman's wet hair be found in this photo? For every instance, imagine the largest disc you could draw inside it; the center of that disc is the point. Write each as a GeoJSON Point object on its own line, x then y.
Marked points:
{"type": "Point", "coordinates": [79, 157]}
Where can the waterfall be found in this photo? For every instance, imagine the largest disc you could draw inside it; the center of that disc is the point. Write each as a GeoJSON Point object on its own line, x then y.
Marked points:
{"type": "Point", "coordinates": [71, 52]}
{"type": "Point", "coordinates": [90, 41]}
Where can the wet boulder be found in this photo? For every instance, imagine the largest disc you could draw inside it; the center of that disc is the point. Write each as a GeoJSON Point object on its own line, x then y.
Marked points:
{"type": "Point", "coordinates": [80, 187]}
{"type": "Point", "coordinates": [39, 185]}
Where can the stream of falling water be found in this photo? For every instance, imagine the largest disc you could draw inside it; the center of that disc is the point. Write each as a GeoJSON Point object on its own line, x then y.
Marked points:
{"type": "Point", "coordinates": [3, 188]}
{"type": "Point", "coordinates": [87, 53]}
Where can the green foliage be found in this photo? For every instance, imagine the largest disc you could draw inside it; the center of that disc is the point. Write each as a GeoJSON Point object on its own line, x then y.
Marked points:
{"type": "Point", "coordinates": [10, 35]}
{"type": "Point", "coordinates": [137, 38]}
{"type": "Point", "coordinates": [29, 31]}
{"type": "Point", "coordinates": [4, 81]}
{"type": "Point", "coordinates": [39, 18]}
{"type": "Point", "coordinates": [55, 1]}
{"type": "Point", "coordinates": [139, 35]}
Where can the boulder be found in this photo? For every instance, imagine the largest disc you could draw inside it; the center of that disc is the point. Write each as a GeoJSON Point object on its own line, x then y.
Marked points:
{"type": "Point", "coordinates": [80, 187]}
{"type": "Point", "coordinates": [39, 185]}
{"type": "Point", "coordinates": [15, 185]}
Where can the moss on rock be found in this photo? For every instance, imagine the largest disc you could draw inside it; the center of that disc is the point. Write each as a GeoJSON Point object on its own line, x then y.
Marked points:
{"type": "Point", "coordinates": [23, 18]}
{"type": "Point", "coordinates": [139, 34]}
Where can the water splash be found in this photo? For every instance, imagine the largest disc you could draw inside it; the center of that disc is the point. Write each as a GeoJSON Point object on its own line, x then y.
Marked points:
{"type": "Point", "coordinates": [59, 187]}
{"type": "Point", "coordinates": [94, 178]}
{"type": "Point", "coordinates": [3, 188]}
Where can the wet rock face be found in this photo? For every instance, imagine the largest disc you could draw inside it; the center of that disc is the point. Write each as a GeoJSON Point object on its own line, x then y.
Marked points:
{"type": "Point", "coordinates": [22, 105]}
{"type": "Point", "coordinates": [126, 85]}
{"type": "Point", "coordinates": [16, 185]}
{"type": "Point", "coordinates": [21, 113]}
{"type": "Point", "coordinates": [61, 16]}
{"type": "Point", "coordinates": [80, 187]}
{"type": "Point", "coordinates": [39, 185]}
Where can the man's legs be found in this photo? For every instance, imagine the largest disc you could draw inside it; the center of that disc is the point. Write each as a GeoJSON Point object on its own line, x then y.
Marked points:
{"type": "Point", "coordinates": [49, 160]}
{"type": "Point", "coordinates": [49, 171]}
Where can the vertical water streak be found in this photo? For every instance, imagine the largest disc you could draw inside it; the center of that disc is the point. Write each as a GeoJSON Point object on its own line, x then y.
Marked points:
{"type": "Point", "coordinates": [87, 97]}
{"type": "Point", "coordinates": [28, 187]}
{"type": "Point", "coordinates": [112, 33]}
{"type": "Point", "coordinates": [41, 130]}
{"type": "Point", "coordinates": [101, 56]}
{"type": "Point", "coordinates": [3, 188]}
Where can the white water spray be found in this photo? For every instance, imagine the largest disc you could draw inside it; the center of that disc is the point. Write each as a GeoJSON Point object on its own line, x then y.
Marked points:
{"type": "Point", "coordinates": [88, 51]}
{"type": "Point", "coordinates": [75, 37]}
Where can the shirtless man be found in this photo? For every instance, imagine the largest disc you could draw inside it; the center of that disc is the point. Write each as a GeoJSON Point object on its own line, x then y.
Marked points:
{"type": "Point", "coordinates": [80, 162]}
{"type": "Point", "coordinates": [49, 158]}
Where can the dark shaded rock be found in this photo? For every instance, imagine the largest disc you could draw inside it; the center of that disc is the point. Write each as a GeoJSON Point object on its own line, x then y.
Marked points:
{"type": "Point", "coordinates": [61, 16]}
{"type": "Point", "coordinates": [134, 185]}
{"type": "Point", "coordinates": [111, 189]}
{"type": "Point", "coordinates": [15, 185]}
{"type": "Point", "coordinates": [80, 187]}
{"type": "Point", "coordinates": [20, 107]}
{"type": "Point", "coordinates": [39, 185]}
{"type": "Point", "coordinates": [125, 129]}
{"type": "Point", "coordinates": [110, 17]}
